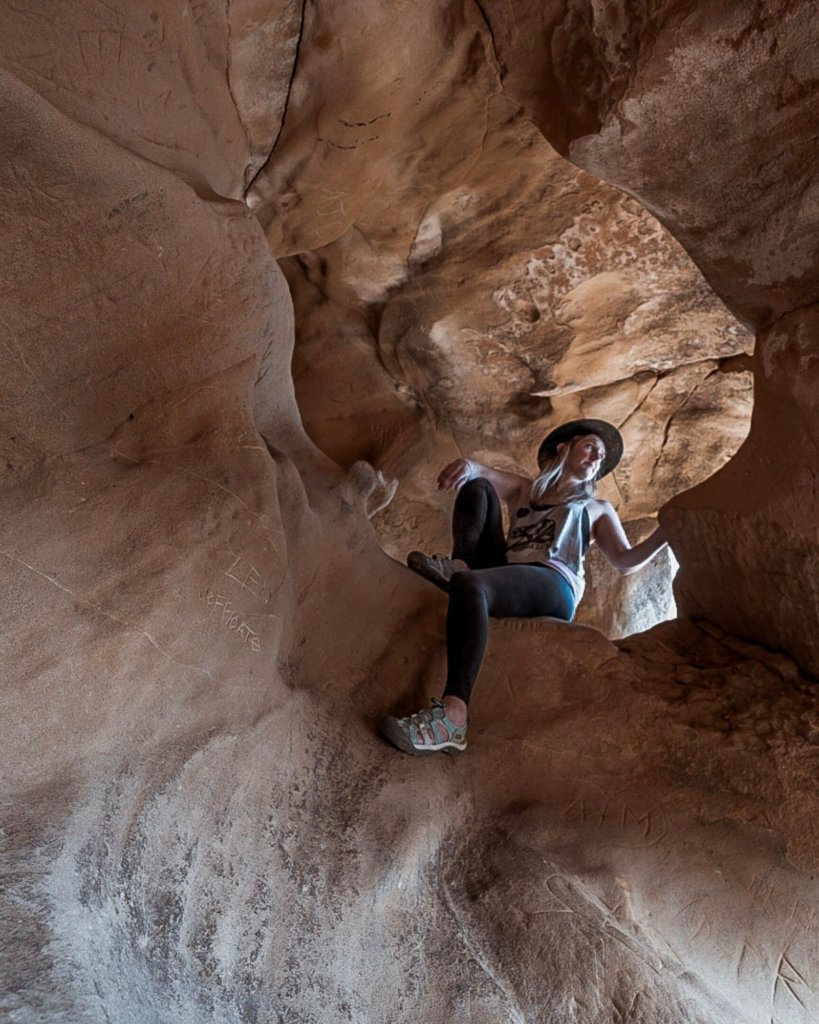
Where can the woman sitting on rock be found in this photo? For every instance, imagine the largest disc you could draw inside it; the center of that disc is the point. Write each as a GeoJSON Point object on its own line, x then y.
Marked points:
{"type": "Point", "coordinates": [537, 570]}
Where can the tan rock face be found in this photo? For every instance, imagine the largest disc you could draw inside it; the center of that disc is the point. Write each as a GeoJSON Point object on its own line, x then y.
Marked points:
{"type": "Point", "coordinates": [600, 85]}
{"type": "Point", "coordinates": [200, 628]}
{"type": "Point", "coordinates": [656, 112]}
{"type": "Point", "coordinates": [531, 294]}
{"type": "Point", "coordinates": [765, 499]}
{"type": "Point", "coordinates": [357, 152]}
{"type": "Point", "coordinates": [165, 81]}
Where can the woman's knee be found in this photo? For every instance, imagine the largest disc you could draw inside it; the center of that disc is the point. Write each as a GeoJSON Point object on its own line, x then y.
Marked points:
{"type": "Point", "coordinates": [466, 587]}
{"type": "Point", "coordinates": [477, 500]}
{"type": "Point", "coordinates": [477, 486]}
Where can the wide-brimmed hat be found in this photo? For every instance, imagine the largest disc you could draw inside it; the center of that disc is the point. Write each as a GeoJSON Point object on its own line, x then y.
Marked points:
{"type": "Point", "coordinates": [608, 434]}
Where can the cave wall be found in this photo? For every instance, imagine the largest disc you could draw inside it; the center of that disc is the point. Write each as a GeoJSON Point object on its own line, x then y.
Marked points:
{"type": "Point", "coordinates": [708, 116]}
{"type": "Point", "coordinates": [201, 627]}
{"type": "Point", "coordinates": [471, 318]}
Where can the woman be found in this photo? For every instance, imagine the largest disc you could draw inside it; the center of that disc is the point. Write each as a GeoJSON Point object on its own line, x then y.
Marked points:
{"type": "Point", "coordinates": [536, 570]}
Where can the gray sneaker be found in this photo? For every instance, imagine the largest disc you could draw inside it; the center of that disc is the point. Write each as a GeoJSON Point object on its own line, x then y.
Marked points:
{"type": "Point", "coordinates": [428, 731]}
{"type": "Point", "coordinates": [438, 569]}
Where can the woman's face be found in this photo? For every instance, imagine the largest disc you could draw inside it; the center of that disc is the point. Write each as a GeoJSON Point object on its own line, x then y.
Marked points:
{"type": "Point", "coordinates": [586, 454]}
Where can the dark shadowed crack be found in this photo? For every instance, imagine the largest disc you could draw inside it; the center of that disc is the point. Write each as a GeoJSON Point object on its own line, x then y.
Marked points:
{"type": "Point", "coordinates": [788, 312]}
{"type": "Point", "coordinates": [642, 401]}
{"type": "Point", "coordinates": [498, 63]}
{"type": "Point", "coordinates": [286, 106]}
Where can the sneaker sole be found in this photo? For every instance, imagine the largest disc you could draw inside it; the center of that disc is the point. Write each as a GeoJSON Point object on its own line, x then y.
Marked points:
{"type": "Point", "coordinates": [417, 564]}
{"type": "Point", "coordinates": [392, 731]}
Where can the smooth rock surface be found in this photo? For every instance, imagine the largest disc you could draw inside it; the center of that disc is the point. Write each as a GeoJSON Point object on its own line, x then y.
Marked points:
{"type": "Point", "coordinates": [201, 629]}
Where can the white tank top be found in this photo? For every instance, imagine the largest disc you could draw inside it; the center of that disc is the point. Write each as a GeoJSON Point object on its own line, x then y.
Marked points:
{"type": "Point", "coordinates": [553, 535]}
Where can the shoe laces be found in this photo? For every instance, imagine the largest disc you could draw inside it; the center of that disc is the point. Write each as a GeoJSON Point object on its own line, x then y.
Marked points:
{"type": "Point", "coordinates": [423, 721]}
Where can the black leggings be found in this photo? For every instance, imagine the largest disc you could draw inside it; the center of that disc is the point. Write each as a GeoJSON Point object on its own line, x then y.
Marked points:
{"type": "Point", "coordinates": [491, 588]}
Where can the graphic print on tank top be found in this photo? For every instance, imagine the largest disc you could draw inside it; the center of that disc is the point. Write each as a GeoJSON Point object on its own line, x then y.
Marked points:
{"type": "Point", "coordinates": [529, 535]}
{"type": "Point", "coordinates": [557, 536]}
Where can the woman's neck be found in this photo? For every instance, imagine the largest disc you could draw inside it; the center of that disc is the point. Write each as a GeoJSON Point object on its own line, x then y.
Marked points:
{"type": "Point", "coordinates": [564, 490]}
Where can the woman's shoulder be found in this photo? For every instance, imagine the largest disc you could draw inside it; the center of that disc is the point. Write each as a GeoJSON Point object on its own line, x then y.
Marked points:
{"type": "Point", "coordinates": [600, 507]}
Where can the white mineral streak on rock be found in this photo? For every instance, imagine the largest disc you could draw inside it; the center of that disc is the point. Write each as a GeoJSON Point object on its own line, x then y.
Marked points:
{"type": "Point", "coordinates": [428, 240]}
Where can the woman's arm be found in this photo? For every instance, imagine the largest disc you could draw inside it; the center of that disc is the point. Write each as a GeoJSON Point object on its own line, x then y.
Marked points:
{"type": "Point", "coordinates": [611, 539]}
{"type": "Point", "coordinates": [456, 474]}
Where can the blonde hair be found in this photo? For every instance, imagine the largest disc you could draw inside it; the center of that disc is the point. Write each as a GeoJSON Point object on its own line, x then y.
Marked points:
{"type": "Point", "coordinates": [552, 471]}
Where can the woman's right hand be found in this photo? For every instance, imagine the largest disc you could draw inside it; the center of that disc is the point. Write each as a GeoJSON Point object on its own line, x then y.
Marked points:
{"type": "Point", "coordinates": [456, 474]}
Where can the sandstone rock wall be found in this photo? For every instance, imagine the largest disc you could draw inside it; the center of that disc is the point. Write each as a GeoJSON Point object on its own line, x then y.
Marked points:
{"type": "Point", "coordinates": [530, 294]}
{"type": "Point", "coordinates": [708, 116]}
{"type": "Point", "coordinates": [201, 628]}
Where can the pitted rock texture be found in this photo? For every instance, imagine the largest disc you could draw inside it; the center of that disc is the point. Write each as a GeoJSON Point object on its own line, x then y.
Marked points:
{"type": "Point", "coordinates": [199, 821]}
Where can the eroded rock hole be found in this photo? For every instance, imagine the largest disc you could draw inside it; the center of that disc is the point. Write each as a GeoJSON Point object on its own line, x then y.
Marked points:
{"type": "Point", "coordinates": [521, 302]}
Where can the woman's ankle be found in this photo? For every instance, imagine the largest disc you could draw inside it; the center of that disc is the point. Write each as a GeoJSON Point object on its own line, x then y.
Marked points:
{"type": "Point", "coordinates": [456, 710]}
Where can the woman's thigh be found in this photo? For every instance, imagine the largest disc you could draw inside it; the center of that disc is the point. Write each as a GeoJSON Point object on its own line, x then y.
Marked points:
{"type": "Point", "coordinates": [524, 591]}
{"type": "Point", "coordinates": [477, 526]}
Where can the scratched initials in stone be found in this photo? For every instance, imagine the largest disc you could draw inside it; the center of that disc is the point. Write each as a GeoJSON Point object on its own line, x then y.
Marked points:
{"type": "Point", "coordinates": [791, 978]}
{"type": "Point", "coordinates": [100, 50]}
{"type": "Point", "coordinates": [247, 578]}
{"type": "Point", "coordinates": [232, 619]}
{"type": "Point", "coordinates": [631, 826]}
